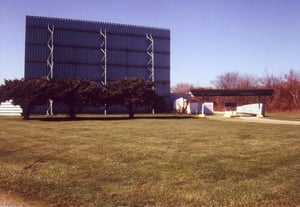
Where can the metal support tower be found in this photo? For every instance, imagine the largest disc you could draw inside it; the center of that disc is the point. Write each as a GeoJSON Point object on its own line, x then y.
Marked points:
{"type": "Point", "coordinates": [104, 57]}
{"type": "Point", "coordinates": [150, 53]}
{"type": "Point", "coordinates": [104, 61]}
{"type": "Point", "coordinates": [50, 64]}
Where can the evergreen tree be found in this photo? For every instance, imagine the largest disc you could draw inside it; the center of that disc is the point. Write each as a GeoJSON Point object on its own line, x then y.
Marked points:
{"type": "Point", "coordinates": [26, 92]}
{"type": "Point", "coordinates": [78, 93]}
{"type": "Point", "coordinates": [132, 93]}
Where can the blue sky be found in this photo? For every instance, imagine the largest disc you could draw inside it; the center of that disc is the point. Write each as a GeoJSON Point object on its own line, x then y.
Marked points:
{"type": "Point", "coordinates": [208, 37]}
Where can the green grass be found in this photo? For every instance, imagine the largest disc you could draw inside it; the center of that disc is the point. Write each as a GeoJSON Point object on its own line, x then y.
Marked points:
{"type": "Point", "coordinates": [150, 162]}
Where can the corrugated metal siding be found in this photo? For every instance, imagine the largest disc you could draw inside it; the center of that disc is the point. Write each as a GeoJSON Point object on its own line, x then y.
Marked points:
{"type": "Point", "coordinates": [36, 52]}
{"type": "Point", "coordinates": [77, 38]}
{"type": "Point", "coordinates": [119, 57]}
{"type": "Point", "coordinates": [90, 72]}
{"type": "Point", "coordinates": [162, 45]}
{"type": "Point", "coordinates": [37, 35]}
{"type": "Point", "coordinates": [36, 69]}
{"type": "Point", "coordinates": [77, 55]}
{"type": "Point", "coordinates": [163, 88]}
{"type": "Point", "coordinates": [77, 50]}
{"type": "Point", "coordinates": [162, 60]}
{"type": "Point", "coordinates": [162, 75]}
{"type": "Point", "coordinates": [95, 26]}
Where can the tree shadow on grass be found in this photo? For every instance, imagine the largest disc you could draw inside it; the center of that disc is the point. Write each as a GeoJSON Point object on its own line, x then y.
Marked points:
{"type": "Point", "coordinates": [108, 118]}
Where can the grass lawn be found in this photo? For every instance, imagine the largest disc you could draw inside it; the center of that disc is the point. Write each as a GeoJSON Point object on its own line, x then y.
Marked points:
{"type": "Point", "coordinates": [292, 116]}
{"type": "Point", "coordinates": [150, 162]}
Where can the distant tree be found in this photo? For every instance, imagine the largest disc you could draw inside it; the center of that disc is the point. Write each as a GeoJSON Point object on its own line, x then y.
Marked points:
{"type": "Point", "coordinates": [132, 93]}
{"type": "Point", "coordinates": [248, 81]}
{"type": "Point", "coordinates": [25, 92]}
{"type": "Point", "coordinates": [286, 90]}
{"type": "Point", "coordinates": [1, 93]}
{"type": "Point", "coordinates": [76, 94]}
{"type": "Point", "coordinates": [182, 88]}
{"type": "Point", "coordinates": [291, 86]}
{"type": "Point", "coordinates": [271, 81]}
{"type": "Point", "coordinates": [234, 80]}
{"type": "Point", "coordinates": [229, 80]}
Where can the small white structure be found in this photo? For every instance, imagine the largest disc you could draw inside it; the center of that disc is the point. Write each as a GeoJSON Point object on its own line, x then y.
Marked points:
{"type": "Point", "coordinates": [230, 113]}
{"type": "Point", "coordinates": [8, 109]}
{"type": "Point", "coordinates": [182, 105]}
{"type": "Point", "coordinates": [255, 109]}
{"type": "Point", "coordinates": [206, 108]}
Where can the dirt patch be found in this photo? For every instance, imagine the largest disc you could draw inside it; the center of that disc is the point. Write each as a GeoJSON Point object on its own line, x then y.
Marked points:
{"type": "Point", "coordinates": [9, 200]}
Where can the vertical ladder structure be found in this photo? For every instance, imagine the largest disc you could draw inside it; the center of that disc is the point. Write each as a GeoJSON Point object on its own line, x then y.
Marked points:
{"type": "Point", "coordinates": [150, 64]}
{"type": "Point", "coordinates": [150, 53]}
{"type": "Point", "coordinates": [104, 60]}
{"type": "Point", "coordinates": [104, 57]}
{"type": "Point", "coordinates": [50, 64]}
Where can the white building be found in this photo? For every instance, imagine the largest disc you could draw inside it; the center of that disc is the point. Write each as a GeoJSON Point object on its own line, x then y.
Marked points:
{"type": "Point", "coordinates": [182, 105]}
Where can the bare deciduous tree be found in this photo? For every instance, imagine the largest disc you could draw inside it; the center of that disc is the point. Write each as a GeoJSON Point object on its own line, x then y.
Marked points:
{"type": "Point", "coordinates": [227, 81]}
{"type": "Point", "coordinates": [292, 86]}
{"type": "Point", "coordinates": [234, 80]}
{"type": "Point", "coordinates": [182, 88]}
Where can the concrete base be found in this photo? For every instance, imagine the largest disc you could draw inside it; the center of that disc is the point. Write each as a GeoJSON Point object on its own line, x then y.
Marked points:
{"type": "Point", "coordinates": [229, 115]}
{"type": "Point", "coordinates": [201, 115]}
{"type": "Point", "coordinates": [260, 116]}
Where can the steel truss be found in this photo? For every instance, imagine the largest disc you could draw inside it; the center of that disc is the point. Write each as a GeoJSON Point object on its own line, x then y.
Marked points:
{"type": "Point", "coordinates": [50, 64]}
{"type": "Point", "coordinates": [104, 57]}
{"type": "Point", "coordinates": [150, 53]}
{"type": "Point", "coordinates": [104, 61]}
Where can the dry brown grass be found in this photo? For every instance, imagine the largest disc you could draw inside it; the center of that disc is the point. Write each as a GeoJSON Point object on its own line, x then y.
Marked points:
{"type": "Point", "coordinates": [150, 162]}
{"type": "Point", "coordinates": [287, 115]}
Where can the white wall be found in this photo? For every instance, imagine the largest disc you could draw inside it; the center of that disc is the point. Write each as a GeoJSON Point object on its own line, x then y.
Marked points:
{"type": "Point", "coordinates": [8, 109]}
{"type": "Point", "coordinates": [256, 109]}
{"type": "Point", "coordinates": [182, 105]}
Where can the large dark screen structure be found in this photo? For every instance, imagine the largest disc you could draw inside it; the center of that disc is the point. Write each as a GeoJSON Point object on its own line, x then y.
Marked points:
{"type": "Point", "coordinates": [101, 52]}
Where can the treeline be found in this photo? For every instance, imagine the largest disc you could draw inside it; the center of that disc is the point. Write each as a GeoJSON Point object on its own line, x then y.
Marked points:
{"type": "Point", "coordinates": [77, 94]}
{"type": "Point", "coordinates": [286, 88]}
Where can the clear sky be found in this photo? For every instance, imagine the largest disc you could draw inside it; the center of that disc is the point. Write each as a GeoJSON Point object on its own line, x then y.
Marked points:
{"type": "Point", "coordinates": [208, 37]}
